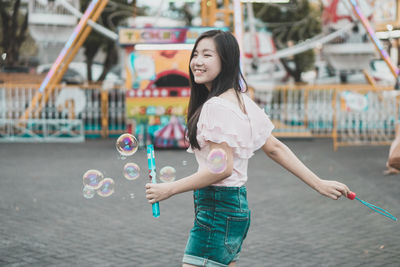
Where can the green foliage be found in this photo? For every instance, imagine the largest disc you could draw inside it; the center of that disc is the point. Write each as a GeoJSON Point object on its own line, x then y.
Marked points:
{"type": "Point", "coordinates": [305, 61]}
{"type": "Point", "coordinates": [292, 23]}
{"type": "Point", "coordinates": [112, 16]}
{"type": "Point", "coordinates": [183, 13]}
{"type": "Point", "coordinates": [14, 26]}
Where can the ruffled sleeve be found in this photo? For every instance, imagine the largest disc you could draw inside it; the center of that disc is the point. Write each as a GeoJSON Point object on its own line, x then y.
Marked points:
{"type": "Point", "coordinates": [221, 122]}
{"type": "Point", "coordinates": [218, 123]}
{"type": "Point", "coordinates": [260, 123]}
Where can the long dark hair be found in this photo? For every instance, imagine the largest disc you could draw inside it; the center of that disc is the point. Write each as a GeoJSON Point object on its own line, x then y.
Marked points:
{"type": "Point", "coordinates": [229, 77]}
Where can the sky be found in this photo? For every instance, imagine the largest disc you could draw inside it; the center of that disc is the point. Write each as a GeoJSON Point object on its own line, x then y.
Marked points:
{"type": "Point", "coordinates": [163, 3]}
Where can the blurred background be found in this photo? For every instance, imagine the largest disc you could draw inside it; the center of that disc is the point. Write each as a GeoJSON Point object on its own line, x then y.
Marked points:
{"type": "Point", "coordinates": [72, 70]}
{"type": "Point", "coordinates": [79, 78]}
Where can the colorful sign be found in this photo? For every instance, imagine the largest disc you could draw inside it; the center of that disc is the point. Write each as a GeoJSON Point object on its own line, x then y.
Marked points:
{"type": "Point", "coordinates": [159, 115]}
{"type": "Point", "coordinates": [159, 95]}
{"type": "Point", "coordinates": [352, 101]}
{"type": "Point", "coordinates": [158, 84]}
{"type": "Point", "coordinates": [129, 36]}
{"type": "Point", "coordinates": [187, 35]}
{"type": "Point", "coordinates": [156, 68]}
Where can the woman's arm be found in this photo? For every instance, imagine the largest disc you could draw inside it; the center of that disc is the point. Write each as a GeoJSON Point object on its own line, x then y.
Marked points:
{"type": "Point", "coordinates": [200, 179]}
{"type": "Point", "coordinates": [281, 154]}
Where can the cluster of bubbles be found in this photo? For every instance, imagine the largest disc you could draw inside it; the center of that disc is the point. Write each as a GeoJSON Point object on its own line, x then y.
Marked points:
{"type": "Point", "coordinates": [94, 182]}
{"type": "Point", "coordinates": [126, 145]}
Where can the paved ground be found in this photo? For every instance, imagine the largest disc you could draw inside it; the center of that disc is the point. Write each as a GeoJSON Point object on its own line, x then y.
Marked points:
{"type": "Point", "coordinates": [46, 221]}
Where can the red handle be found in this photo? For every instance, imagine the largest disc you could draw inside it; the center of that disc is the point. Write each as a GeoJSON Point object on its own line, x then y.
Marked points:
{"type": "Point", "coordinates": [351, 195]}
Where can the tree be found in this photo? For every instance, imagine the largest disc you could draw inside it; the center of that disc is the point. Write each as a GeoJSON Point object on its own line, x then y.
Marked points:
{"type": "Point", "coordinates": [14, 32]}
{"type": "Point", "coordinates": [111, 17]}
{"type": "Point", "coordinates": [292, 23]}
{"type": "Point", "coordinates": [184, 12]}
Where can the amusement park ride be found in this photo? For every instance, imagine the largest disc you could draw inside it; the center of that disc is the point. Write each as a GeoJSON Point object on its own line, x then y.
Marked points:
{"type": "Point", "coordinates": [348, 42]}
{"type": "Point", "coordinates": [359, 49]}
{"type": "Point", "coordinates": [143, 82]}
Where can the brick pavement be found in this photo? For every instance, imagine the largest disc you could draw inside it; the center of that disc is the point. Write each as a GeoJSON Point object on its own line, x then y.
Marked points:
{"type": "Point", "coordinates": [45, 220]}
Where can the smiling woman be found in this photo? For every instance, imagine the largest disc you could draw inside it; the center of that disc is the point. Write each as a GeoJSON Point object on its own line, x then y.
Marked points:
{"type": "Point", "coordinates": [221, 117]}
{"type": "Point", "coordinates": [205, 63]}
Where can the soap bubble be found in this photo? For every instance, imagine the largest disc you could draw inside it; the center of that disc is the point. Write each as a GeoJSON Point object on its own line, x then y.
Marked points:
{"type": "Point", "coordinates": [167, 174]}
{"type": "Point", "coordinates": [92, 178]}
{"type": "Point", "coordinates": [106, 187]}
{"type": "Point", "coordinates": [217, 160]}
{"type": "Point", "coordinates": [126, 144]}
{"type": "Point", "coordinates": [131, 171]}
{"type": "Point", "coordinates": [88, 192]}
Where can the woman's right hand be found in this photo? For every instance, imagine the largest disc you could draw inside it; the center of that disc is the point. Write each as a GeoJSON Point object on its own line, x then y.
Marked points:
{"type": "Point", "coordinates": [158, 192]}
{"type": "Point", "coordinates": [332, 189]}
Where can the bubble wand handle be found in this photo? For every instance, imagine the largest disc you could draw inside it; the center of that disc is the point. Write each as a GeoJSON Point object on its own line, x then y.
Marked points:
{"type": "Point", "coordinates": [377, 209]}
{"type": "Point", "coordinates": [152, 175]}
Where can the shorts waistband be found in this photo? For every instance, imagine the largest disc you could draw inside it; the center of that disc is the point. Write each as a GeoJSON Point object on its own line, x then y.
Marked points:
{"type": "Point", "coordinates": [223, 188]}
{"type": "Point", "coordinates": [221, 198]}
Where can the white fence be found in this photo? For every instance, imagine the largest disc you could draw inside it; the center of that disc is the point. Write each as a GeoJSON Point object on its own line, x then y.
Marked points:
{"type": "Point", "coordinates": [350, 114]}
{"type": "Point", "coordinates": [86, 111]}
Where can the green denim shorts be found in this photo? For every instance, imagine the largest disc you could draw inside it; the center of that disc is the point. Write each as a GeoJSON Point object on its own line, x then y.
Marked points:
{"type": "Point", "coordinates": [222, 219]}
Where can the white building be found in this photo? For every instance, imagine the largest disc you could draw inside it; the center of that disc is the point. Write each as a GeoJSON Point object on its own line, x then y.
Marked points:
{"type": "Point", "coordinates": [50, 25]}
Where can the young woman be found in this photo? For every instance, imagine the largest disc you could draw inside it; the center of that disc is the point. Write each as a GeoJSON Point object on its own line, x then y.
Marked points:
{"type": "Point", "coordinates": [221, 116]}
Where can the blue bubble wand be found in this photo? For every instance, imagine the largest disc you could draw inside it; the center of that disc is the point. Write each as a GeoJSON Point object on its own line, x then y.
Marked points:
{"type": "Point", "coordinates": [151, 160]}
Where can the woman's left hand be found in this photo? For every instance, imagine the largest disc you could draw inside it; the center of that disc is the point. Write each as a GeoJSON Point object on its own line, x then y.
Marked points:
{"type": "Point", "coordinates": [332, 189]}
{"type": "Point", "coordinates": [158, 192]}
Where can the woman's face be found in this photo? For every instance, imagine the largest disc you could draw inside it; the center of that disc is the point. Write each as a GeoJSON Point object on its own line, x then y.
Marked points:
{"type": "Point", "coordinates": [205, 63]}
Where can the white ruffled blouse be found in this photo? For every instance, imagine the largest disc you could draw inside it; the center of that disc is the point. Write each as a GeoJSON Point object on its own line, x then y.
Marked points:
{"type": "Point", "coordinates": [223, 121]}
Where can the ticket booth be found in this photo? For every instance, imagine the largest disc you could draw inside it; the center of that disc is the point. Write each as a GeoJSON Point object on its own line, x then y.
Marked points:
{"type": "Point", "coordinates": [157, 81]}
